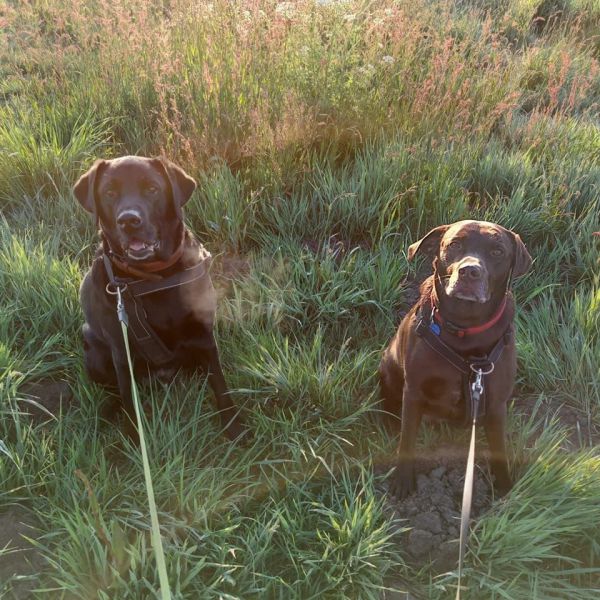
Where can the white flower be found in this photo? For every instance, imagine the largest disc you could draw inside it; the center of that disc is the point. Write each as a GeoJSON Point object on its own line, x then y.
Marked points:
{"type": "Point", "coordinates": [387, 59]}
{"type": "Point", "coordinates": [286, 9]}
{"type": "Point", "coordinates": [349, 18]}
{"type": "Point", "coordinates": [366, 69]}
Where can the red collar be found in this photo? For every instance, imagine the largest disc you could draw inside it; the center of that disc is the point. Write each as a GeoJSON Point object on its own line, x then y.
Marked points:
{"type": "Point", "coordinates": [460, 332]}
{"type": "Point", "coordinates": [148, 270]}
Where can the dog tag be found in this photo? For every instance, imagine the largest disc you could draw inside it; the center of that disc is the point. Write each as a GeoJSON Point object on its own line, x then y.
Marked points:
{"type": "Point", "coordinates": [435, 328]}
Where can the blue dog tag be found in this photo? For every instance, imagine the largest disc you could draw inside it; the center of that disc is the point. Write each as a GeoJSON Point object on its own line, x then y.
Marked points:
{"type": "Point", "coordinates": [435, 328]}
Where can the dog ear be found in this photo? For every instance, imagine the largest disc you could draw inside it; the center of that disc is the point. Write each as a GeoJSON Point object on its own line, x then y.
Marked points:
{"type": "Point", "coordinates": [522, 256]}
{"type": "Point", "coordinates": [430, 244]}
{"type": "Point", "coordinates": [85, 188]}
{"type": "Point", "coordinates": [182, 185]}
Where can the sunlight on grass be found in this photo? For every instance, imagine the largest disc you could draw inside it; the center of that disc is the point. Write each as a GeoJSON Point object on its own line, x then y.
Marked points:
{"type": "Point", "coordinates": [326, 137]}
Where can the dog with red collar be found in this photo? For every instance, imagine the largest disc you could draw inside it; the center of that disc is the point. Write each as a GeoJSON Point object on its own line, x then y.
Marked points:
{"type": "Point", "coordinates": [162, 275]}
{"type": "Point", "coordinates": [462, 325]}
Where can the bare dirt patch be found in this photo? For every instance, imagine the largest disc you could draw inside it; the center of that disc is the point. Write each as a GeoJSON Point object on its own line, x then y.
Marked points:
{"type": "Point", "coordinates": [20, 561]}
{"type": "Point", "coordinates": [45, 399]}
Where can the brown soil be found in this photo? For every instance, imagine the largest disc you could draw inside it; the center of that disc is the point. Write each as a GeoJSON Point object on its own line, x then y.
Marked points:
{"type": "Point", "coordinates": [432, 513]}
{"type": "Point", "coordinates": [20, 562]}
{"type": "Point", "coordinates": [45, 400]}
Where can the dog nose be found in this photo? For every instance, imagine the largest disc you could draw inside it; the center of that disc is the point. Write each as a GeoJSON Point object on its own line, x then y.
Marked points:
{"type": "Point", "coordinates": [470, 271]}
{"type": "Point", "coordinates": [129, 219]}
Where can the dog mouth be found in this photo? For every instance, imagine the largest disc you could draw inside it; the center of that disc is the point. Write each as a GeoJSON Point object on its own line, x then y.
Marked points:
{"type": "Point", "coordinates": [478, 295]}
{"type": "Point", "coordinates": [469, 297]}
{"type": "Point", "coordinates": [138, 249]}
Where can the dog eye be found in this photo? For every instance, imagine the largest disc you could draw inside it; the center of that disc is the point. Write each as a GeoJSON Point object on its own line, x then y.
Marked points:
{"type": "Point", "coordinates": [152, 189]}
{"type": "Point", "coordinates": [111, 194]}
{"type": "Point", "coordinates": [455, 245]}
{"type": "Point", "coordinates": [497, 252]}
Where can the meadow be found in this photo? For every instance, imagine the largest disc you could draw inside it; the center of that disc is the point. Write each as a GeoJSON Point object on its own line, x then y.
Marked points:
{"type": "Point", "coordinates": [326, 137]}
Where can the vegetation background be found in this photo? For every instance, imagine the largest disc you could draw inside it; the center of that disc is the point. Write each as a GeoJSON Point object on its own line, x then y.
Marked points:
{"type": "Point", "coordinates": [326, 137]}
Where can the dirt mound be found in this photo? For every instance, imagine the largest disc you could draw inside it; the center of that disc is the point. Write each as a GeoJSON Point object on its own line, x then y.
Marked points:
{"type": "Point", "coordinates": [432, 513]}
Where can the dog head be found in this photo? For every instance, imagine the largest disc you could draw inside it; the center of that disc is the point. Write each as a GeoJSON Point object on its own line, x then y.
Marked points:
{"type": "Point", "coordinates": [138, 203]}
{"type": "Point", "coordinates": [474, 260]}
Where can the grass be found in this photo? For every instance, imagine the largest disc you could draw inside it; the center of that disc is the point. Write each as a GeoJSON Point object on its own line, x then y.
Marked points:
{"type": "Point", "coordinates": [326, 137]}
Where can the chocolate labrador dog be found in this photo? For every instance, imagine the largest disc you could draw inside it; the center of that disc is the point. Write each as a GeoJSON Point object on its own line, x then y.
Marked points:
{"type": "Point", "coordinates": [462, 322]}
{"type": "Point", "coordinates": [161, 272]}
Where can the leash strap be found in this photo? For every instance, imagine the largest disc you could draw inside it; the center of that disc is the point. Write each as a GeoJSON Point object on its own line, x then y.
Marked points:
{"type": "Point", "coordinates": [476, 391]}
{"type": "Point", "coordinates": [155, 525]}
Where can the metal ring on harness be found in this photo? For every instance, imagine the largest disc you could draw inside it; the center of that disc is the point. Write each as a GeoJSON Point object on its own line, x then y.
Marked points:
{"type": "Point", "coordinates": [477, 368]}
{"type": "Point", "coordinates": [113, 285]}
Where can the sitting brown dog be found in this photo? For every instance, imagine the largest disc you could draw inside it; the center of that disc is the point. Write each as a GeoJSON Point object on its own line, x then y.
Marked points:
{"type": "Point", "coordinates": [162, 273]}
{"type": "Point", "coordinates": [462, 322]}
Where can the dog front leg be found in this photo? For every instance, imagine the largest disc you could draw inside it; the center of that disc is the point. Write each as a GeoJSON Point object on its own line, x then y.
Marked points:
{"type": "Point", "coordinates": [403, 478]}
{"type": "Point", "coordinates": [231, 421]}
{"type": "Point", "coordinates": [495, 431]}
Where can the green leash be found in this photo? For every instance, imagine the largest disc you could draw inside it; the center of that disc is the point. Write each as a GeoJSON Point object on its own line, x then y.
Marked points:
{"type": "Point", "coordinates": [165, 590]}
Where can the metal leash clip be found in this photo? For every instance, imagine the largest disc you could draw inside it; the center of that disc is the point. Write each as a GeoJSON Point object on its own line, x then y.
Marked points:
{"type": "Point", "coordinates": [477, 386]}
{"type": "Point", "coordinates": [115, 289]}
{"type": "Point", "coordinates": [121, 312]}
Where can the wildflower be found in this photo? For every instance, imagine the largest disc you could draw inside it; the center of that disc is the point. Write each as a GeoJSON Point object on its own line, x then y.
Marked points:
{"type": "Point", "coordinates": [387, 59]}
{"type": "Point", "coordinates": [349, 18]}
{"type": "Point", "coordinates": [366, 70]}
{"type": "Point", "coordinates": [285, 9]}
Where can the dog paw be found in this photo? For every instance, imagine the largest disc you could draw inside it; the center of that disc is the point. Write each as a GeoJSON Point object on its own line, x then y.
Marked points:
{"type": "Point", "coordinates": [235, 430]}
{"type": "Point", "coordinates": [502, 486]}
{"type": "Point", "coordinates": [402, 483]}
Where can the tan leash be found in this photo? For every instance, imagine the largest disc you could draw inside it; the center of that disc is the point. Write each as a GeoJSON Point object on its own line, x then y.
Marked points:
{"type": "Point", "coordinates": [476, 390]}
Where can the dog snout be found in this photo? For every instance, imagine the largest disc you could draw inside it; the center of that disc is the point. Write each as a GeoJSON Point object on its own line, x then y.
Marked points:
{"type": "Point", "coordinates": [473, 272]}
{"type": "Point", "coordinates": [129, 219]}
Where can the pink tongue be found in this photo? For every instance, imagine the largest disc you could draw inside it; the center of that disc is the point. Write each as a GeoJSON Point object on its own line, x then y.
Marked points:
{"type": "Point", "coordinates": [136, 245]}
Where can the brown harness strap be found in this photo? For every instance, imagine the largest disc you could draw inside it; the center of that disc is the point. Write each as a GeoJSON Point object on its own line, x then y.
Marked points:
{"type": "Point", "coordinates": [428, 329]}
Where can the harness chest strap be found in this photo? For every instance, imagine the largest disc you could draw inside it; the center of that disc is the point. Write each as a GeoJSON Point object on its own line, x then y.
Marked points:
{"type": "Point", "coordinates": [146, 340]}
{"type": "Point", "coordinates": [430, 333]}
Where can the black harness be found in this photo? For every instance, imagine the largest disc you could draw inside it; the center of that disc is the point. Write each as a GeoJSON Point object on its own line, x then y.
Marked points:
{"type": "Point", "coordinates": [473, 368]}
{"type": "Point", "coordinates": [146, 341]}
